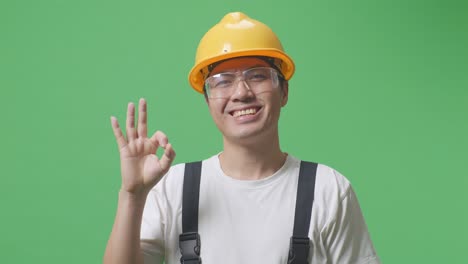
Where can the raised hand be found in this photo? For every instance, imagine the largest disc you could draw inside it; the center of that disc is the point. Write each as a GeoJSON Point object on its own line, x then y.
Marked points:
{"type": "Point", "coordinates": [140, 167]}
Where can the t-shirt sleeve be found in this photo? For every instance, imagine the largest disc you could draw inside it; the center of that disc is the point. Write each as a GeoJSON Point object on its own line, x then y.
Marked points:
{"type": "Point", "coordinates": [346, 236]}
{"type": "Point", "coordinates": [152, 229]}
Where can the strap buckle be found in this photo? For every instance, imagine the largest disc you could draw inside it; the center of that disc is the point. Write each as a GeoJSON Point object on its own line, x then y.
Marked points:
{"type": "Point", "coordinates": [299, 248]}
{"type": "Point", "coordinates": [189, 244]}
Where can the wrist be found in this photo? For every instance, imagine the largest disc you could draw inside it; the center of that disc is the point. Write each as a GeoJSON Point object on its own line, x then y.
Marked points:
{"type": "Point", "coordinates": [131, 198]}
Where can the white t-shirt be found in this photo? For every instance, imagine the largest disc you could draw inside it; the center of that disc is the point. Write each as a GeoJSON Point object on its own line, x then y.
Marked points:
{"type": "Point", "coordinates": [251, 222]}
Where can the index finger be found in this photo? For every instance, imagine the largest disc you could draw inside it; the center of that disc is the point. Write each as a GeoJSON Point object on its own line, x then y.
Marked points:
{"type": "Point", "coordinates": [159, 139]}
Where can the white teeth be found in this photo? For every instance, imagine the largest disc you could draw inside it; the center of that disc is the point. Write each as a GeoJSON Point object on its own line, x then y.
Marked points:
{"type": "Point", "coordinates": [250, 111]}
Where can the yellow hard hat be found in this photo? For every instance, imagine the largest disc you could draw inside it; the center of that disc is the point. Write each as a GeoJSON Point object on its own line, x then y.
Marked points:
{"type": "Point", "coordinates": [237, 35]}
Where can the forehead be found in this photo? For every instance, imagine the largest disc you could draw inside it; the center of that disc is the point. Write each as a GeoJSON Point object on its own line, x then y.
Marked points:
{"type": "Point", "coordinates": [239, 64]}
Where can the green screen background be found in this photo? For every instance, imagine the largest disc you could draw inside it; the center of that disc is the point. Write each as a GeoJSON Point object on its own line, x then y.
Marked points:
{"type": "Point", "coordinates": [380, 94]}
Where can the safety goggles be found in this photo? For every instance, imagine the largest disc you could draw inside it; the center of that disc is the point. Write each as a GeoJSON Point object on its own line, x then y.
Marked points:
{"type": "Point", "coordinates": [257, 80]}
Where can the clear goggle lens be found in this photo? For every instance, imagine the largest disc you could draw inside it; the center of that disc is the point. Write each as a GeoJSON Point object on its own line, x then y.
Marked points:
{"type": "Point", "coordinates": [257, 80]}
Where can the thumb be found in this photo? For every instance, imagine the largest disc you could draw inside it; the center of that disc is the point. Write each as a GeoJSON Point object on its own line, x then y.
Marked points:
{"type": "Point", "coordinates": [167, 158]}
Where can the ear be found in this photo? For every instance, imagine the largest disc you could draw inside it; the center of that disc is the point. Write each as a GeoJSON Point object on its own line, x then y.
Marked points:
{"type": "Point", "coordinates": [285, 92]}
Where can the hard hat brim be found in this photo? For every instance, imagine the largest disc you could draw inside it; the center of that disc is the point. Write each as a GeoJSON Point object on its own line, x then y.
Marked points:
{"type": "Point", "coordinates": [196, 78]}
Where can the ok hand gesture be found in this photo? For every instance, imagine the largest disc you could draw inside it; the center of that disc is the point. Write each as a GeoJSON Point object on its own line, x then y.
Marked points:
{"type": "Point", "coordinates": [140, 167]}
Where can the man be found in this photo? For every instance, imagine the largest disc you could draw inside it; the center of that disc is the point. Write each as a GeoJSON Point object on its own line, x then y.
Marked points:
{"type": "Point", "coordinates": [247, 193]}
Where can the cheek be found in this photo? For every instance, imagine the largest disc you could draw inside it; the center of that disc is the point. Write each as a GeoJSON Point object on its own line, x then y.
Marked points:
{"type": "Point", "coordinates": [216, 110]}
{"type": "Point", "coordinates": [274, 101]}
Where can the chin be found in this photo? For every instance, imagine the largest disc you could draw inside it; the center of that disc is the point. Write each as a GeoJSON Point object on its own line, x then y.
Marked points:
{"type": "Point", "coordinates": [246, 136]}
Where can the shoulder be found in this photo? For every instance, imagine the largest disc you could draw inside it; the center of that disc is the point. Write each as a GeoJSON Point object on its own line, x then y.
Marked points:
{"type": "Point", "coordinates": [331, 188]}
{"type": "Point", "coordinates": [331, 183]}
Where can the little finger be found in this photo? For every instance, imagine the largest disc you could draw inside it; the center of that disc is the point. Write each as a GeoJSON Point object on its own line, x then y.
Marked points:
{"type": "Point", "coordinates": [121, 142]}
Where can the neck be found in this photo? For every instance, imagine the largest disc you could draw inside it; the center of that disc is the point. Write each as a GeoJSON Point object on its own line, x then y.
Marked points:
{"type": "Point", "coordinates": [251, 161]}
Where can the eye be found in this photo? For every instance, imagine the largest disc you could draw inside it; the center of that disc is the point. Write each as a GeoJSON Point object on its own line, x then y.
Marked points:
{"type": "Point", "coordinates": [257, 75]}
{"type": "Point", "coordinates": [222, 82]}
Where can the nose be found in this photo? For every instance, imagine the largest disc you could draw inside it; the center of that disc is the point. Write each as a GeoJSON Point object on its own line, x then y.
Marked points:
{"type": "Point", "coordinates": [242, 91]}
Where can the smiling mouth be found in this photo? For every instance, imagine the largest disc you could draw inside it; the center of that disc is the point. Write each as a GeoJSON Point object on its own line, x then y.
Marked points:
{"type": "Point", "coordinates": [244, 112]}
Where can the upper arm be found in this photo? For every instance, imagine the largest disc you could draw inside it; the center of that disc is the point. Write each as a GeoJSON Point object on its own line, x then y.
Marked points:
{"type": "Point", "coordinates": [346, 237]}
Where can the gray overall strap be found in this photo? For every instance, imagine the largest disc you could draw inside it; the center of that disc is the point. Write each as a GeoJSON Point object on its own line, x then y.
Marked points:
{"type": "Point", "coordinates": [300, 242]}
{"type": "Point", "coordinates": [189, 240]}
